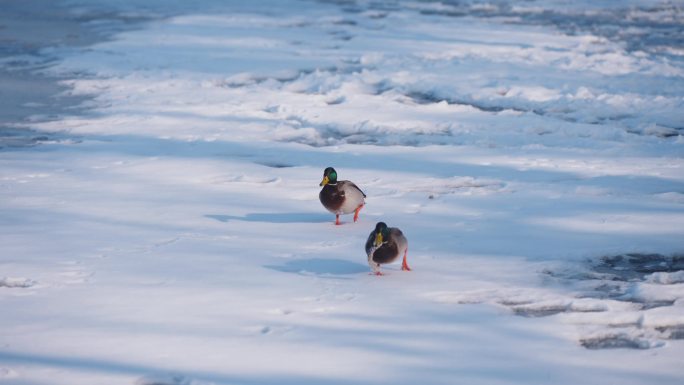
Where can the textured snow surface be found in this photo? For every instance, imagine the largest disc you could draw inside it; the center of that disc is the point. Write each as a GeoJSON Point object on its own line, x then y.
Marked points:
{"type": "Point", "coordinates": [168, 231]}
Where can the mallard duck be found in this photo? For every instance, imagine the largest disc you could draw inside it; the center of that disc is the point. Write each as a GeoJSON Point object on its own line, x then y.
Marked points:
{"type": "Point", "coordinates": [340, 197]}
{"type": "Point", "coordinates": [385, 245]}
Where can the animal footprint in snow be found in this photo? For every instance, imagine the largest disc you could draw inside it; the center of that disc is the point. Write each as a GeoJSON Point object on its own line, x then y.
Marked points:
{"type": "Point", "coordinates": [247, 179]}
{"type": "Point", "coordinates": [164, 380]}
{"type": "Point", "coordinates": [268, 330]}
{"type": "Point", "coordinates": [323, 245]}
{"type": "Point", "coordinates": [322, 310]}
{"type": "Point", "coordinates": [8, 373]}
{"type": "Point", "coordinates": [279, 311]}
{"type": "Point", "coordinates": [346, 296]}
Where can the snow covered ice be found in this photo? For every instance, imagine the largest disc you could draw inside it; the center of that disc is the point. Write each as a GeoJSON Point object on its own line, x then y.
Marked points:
{"type": "Point", "coordinates": [160, 221]}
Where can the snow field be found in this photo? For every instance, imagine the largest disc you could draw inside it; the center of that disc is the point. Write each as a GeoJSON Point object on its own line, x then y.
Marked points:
{"type": "Point", "coordinates": [172, 234]}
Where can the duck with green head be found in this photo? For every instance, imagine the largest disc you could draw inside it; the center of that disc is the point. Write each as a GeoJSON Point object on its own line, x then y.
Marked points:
{"type": "Point", "coordinates": [340, 197]}
{"type": "Point", "coordinates": [385, 245]}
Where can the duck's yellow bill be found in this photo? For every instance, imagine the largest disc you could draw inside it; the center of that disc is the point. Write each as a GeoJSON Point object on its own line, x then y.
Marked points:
{"type": "Point", "coordinates": [378, 240]}
{"type": "Point", "coordinates": [324, 181]}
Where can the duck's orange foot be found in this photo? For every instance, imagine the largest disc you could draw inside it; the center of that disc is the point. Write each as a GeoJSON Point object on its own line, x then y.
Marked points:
{"type": "Point", "coordinates": [404, 265]}
{"type": "Point", "coordinates": [356, 213]}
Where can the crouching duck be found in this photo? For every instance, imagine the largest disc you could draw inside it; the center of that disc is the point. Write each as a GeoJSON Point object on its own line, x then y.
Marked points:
{"type": "Point", "coordinates": [385, 245]}
{"type": "Point", "coordinates": [340, 197]}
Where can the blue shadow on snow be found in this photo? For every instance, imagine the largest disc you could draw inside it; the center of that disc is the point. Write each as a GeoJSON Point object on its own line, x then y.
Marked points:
{"type": "Point", "coordinates": [276, 217]}
{"type": "Point", "coordinates": [320, 266]}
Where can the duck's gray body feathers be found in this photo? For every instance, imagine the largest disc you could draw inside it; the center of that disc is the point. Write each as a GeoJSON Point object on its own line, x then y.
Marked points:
{"type": "Point", "coordinates": [343, 197]}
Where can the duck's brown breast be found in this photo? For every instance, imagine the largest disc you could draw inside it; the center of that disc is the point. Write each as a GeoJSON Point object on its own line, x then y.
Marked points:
{"type": "Point", "coordinates": [386, 253]}
{"type": "Point", "coordinates": [331, 198]}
